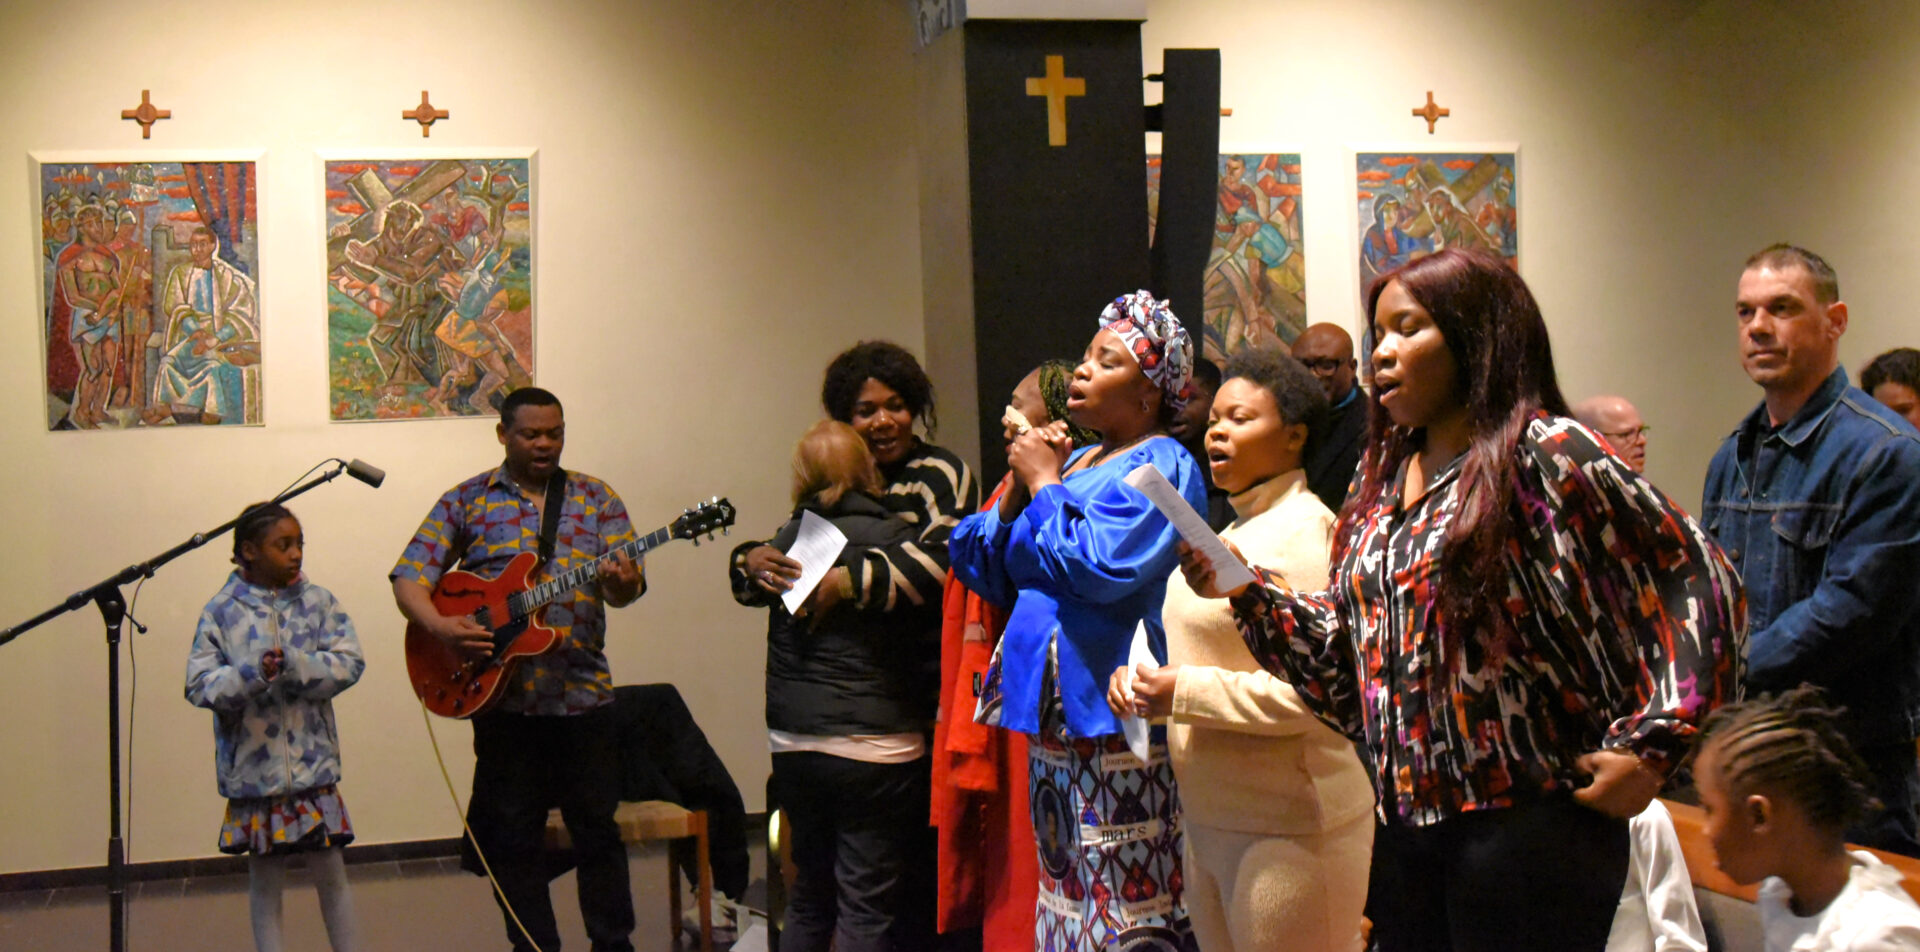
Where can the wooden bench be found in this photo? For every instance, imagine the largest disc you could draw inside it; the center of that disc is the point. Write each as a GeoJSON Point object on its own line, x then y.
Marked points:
{"type": "Point", "coordinates": [683, 829]}
{"type": "Point", "coordinates": [1691, 823]}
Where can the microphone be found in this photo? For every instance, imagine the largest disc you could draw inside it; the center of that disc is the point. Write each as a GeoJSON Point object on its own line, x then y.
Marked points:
{"type": "Point", "coordinates": [367, 474]}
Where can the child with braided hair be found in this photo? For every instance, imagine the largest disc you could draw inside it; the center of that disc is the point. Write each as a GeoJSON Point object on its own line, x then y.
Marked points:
{"type": "Point", "coordinates": [270, 652]}
{"type": "Point", "coordinates": [1780, 786]}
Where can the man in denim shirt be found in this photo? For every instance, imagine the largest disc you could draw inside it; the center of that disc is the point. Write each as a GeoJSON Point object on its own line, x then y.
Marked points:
{"type": "Point", "coordinates": [1816, 499]}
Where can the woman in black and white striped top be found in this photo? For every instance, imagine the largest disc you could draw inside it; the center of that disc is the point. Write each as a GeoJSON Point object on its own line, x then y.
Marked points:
{"type": "Point", "coordinates": [879, 389]}
{"type": "Point", "coordinates": [865, 798]}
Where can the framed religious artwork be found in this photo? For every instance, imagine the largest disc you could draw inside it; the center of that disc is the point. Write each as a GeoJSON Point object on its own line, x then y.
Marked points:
{"type": "Point", "coordinates": [1413, 202]}
{"type": "Point", "coordinates": [430, 283]}
{"type": "Point", "coordinates": [1255, 289]}
{"type": "Point", "coordinates": [149, 288]}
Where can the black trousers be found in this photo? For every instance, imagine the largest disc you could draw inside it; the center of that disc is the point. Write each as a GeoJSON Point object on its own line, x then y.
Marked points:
{"type": "Point", "coordinates": [863, 847]}
{"type": "Point", "coordinates": [1896, 781]}
{"type": "Point", "coordinates": [1544, 875]}
{"type": "Point", "coordinates": [525, 765]}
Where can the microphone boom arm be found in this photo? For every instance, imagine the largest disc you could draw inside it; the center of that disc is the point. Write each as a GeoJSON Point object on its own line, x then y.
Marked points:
{"type": "Point", "coordinates": [108, 588]}
{"type": "Point", "coordinates": [113, 610]}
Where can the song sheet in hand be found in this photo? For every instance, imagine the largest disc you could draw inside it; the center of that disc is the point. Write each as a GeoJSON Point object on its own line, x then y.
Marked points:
{"type": "Point", "coordinates": [818, 544]}
{"type": "Point", "coordinates": [1229, 573]}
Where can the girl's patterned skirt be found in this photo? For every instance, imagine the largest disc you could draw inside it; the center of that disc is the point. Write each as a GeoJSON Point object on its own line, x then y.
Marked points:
{"type": "Point", "coordinates": [309, 820]}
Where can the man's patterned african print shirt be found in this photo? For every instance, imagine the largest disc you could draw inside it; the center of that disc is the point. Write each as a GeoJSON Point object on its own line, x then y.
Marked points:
{"type": "Point", "coordinates": [488, 520]}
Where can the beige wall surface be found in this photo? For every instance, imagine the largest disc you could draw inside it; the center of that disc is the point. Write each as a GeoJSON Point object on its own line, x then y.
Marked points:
{"type": "Point", "coordinates": [726, 197]}
{"type": "Point", "coordinates": [1660, 144]}
{"type": "Point", "coordinates": [728, 194]}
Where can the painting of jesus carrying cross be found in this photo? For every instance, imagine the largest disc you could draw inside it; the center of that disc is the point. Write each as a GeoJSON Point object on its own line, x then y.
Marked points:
{"type": "Point", "coordinates": [429, 286]}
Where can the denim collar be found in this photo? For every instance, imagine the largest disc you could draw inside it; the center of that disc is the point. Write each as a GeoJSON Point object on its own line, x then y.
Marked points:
{"type": "Point", "coordinates": [1796, 431]}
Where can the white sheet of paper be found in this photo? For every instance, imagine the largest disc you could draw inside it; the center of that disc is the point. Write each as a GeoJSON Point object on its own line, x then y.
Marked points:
{"type": "Point", "coordinates": [818, 544]}
{"type": "Point", "coordinates": [1133, 725]}
{"type": "Point", "coordinates": [1229, 574]}
{"type": "Point", "coordinates": [754, 939]}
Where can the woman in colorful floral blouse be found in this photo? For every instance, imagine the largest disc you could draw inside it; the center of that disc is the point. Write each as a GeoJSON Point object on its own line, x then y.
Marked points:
{"type": "Point", "coordinates": [1522, 633]}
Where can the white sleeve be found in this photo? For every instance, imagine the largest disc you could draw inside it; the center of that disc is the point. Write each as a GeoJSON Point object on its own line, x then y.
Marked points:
{"type": "Point", "coordinates": [1671, 907]}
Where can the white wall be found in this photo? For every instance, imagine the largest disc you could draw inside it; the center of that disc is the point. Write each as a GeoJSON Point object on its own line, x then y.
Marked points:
{"type": "Point", "coordinates": [1661, 143]}
{"type": "Point", "coordinates": [726, 197]}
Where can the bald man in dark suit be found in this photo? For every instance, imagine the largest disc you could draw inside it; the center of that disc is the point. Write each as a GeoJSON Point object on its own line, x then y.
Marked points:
{"type": "Point", "coordinates": [1327, 350]}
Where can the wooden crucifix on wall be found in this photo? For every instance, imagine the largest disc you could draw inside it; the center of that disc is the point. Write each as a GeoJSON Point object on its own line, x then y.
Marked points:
{"type": "Point", "coordinates": [1432, 112]}
{"type": "Point", "coordinates": [425, 114]}
{"type": "Point", "coordinates": [1056, 86]}
{"type": "Point", "coordinates": [146, 115]}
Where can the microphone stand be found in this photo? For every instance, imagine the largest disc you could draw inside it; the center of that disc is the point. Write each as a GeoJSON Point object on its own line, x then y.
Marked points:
{"type": "Point", "coordinates": [106, 595]}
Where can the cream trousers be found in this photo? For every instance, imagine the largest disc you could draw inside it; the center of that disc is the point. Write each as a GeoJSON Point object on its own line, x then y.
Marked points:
{"type": "Point", "coordinates": [1253, 892]}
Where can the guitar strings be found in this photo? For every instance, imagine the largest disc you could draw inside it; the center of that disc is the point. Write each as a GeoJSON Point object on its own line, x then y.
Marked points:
{"type": "Point", "coordinates": [517, 602]}
{"type": "Point", "coordinates": [446, 777]}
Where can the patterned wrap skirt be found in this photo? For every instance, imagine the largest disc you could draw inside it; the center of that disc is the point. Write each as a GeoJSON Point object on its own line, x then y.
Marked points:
{"type": "Point", "coordinates": [1107, 828]}
{"type": "Point", "coordinates": [309, 820]}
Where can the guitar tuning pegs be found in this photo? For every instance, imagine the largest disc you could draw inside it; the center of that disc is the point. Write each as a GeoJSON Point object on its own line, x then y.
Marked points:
{"type": "Point", "coordinates": [696, 542]}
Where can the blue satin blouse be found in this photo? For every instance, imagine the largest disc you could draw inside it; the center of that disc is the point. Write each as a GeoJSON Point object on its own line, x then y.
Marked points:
{"type": "Point", "coordinates": [1088, 559]}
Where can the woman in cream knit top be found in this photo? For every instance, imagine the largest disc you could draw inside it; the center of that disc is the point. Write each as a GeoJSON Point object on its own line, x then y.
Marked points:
{"type": "Point", "coordinates": [1248, 754]}
{"type": "Point", "coordinates": [1277, 805]}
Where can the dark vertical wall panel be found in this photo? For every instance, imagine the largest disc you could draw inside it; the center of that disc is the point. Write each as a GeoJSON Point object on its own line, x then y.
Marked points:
{"type": "Point", "coordinates": [1057, 230]}
{"type": "Point", "coordinates": [1189, 176]}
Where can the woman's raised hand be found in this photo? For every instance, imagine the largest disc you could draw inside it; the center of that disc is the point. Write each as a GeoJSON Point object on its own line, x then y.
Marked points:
{"type": "Point", "coordinates": [1200, 572]}
{"type": "Point", "coordinates": [1037, 455]}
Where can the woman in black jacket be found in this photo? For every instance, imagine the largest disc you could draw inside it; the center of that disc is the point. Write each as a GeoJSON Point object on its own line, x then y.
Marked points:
{"type": "Point", "coordinates": [849, 699]}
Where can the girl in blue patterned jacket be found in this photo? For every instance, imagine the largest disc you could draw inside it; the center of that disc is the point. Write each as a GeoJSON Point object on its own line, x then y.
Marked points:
{"type": "Point", "coordinates": [270, 652]}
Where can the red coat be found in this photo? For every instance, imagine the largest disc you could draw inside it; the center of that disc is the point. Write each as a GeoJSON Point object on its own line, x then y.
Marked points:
{"type": "Point", "coordinates": [989, 871]}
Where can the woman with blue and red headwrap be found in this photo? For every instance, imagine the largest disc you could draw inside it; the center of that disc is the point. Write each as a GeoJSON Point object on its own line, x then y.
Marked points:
{"type": "Point", "coordinates": [1081, 560]}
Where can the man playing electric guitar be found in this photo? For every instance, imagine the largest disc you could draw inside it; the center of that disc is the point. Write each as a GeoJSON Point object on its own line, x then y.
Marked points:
{"type": "Point", "coordinates": [550, 739]}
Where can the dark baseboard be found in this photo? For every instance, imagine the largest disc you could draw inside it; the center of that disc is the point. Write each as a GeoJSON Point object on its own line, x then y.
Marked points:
{"type": "Point", "coordinates": [213, 866]}
{"type": "Point", "coordinates": [205, 866]}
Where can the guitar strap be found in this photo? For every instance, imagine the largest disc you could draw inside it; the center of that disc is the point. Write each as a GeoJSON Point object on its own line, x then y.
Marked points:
{"type": "Point", "coordinates": [550, 513]}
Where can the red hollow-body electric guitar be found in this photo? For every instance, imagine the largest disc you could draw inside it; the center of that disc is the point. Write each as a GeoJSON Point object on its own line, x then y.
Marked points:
{"type": "Point", "coordinates": [510, 606]}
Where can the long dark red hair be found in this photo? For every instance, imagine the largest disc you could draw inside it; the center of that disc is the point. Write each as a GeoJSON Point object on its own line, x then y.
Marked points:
{"type": "Point", "coordinates": [1493, 329]}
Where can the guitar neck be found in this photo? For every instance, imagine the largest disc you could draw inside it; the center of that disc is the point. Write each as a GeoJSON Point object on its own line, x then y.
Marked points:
{"type": "Point", "coordinates": [533, 599]}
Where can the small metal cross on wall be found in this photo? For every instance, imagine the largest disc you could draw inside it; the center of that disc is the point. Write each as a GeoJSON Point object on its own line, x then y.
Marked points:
{"type": "Point", "coordinates": [1432, 112]}
{"type": "Point", "coordinates": [146, 115]}
{"type": "Point", "coordinates": [425, 114]}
